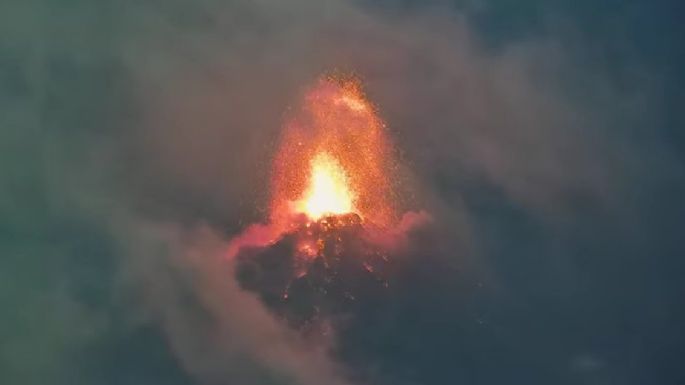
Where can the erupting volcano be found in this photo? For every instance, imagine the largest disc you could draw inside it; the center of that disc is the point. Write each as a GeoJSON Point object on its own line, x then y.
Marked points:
{"type": "Point", "coordinates": [333, 211]}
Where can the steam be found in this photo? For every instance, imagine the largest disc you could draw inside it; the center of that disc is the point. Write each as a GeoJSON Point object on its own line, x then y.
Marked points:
{"type": "Point", "coordinates": [137, 142]}
{"type": "Point", "coordinates": [223, 335]}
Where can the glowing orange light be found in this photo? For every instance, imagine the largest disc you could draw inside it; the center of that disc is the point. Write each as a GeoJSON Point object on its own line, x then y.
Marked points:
{"type": "Point", "coordinates": [334, 157]}
{"type": "Point", "coordinates": [328, 191]}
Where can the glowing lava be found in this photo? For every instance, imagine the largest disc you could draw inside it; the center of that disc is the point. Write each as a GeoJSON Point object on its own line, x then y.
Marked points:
{"type": "Point", "coordinates": [329, 191]}
{"type": "Point", "coordinates": [334, 224]}
{"type": "Point", "coordinates": [335, 157]}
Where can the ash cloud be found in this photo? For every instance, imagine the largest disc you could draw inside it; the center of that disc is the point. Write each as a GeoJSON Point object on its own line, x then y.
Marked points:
{"type": "Point", "coordinates": [218, 332]}
{"type": "Point", "coordinates": [136, 141]}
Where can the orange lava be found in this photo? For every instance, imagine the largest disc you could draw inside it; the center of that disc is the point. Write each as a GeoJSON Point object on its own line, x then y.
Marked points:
{"type": "Point", "coordinates": [328, 191]}
{"type": "Point", "coordinates": [334, 157]}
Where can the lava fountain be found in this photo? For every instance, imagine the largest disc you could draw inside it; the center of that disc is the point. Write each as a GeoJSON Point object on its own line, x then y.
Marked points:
{"type": "Point", "coordinates": [333, 214]}
{"type": "Point", "coordinates": [329, 191]}
{"type": "Point", "coordinates": [335, 157]}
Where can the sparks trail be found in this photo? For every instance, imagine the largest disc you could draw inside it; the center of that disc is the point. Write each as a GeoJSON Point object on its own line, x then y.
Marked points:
{"type": "Point", "coordinates": [334, 216]}
{"type": "Point", "coordinates": [334, 158]}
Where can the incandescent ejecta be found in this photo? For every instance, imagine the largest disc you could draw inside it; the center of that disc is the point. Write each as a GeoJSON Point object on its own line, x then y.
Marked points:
{"type": "Point", "coordinates": [334, 220]}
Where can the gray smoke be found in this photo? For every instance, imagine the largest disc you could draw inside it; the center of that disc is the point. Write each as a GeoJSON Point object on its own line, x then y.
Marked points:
{"type": "Point", "coordinates": [136, 142]}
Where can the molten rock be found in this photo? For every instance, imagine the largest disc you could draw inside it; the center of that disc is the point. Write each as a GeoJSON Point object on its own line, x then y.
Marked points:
{"type": "Point", "coordinates": [317, 271]}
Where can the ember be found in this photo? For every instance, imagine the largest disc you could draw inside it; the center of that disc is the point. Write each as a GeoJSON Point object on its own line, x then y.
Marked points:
{"type": "Point", "coordinates": [333, 199]}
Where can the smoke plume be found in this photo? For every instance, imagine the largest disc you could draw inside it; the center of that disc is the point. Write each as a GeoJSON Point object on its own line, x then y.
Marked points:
{"type": "Point", "coordinates": [137, 141]}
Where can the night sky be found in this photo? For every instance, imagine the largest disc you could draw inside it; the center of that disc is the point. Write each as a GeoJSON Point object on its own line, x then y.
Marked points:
{"type": "Point", "coordinates": [545, 138]}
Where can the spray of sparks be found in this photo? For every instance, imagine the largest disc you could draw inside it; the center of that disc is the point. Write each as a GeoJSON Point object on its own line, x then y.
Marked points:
{"type": "Point", "coordinates": [329, 191]}
{"type": "Point", "coordinates": [333, 211]}
{"type": "Point", "coordinates": [334, 158]}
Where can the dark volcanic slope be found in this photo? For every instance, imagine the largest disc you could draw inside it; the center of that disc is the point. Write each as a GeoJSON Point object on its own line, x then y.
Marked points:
{"type": "Point", "coordinates": [318, 270]}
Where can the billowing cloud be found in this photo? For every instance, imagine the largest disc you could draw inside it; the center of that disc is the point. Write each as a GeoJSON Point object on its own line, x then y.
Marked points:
{"type": "Point", "coordinates": [137, 140]}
